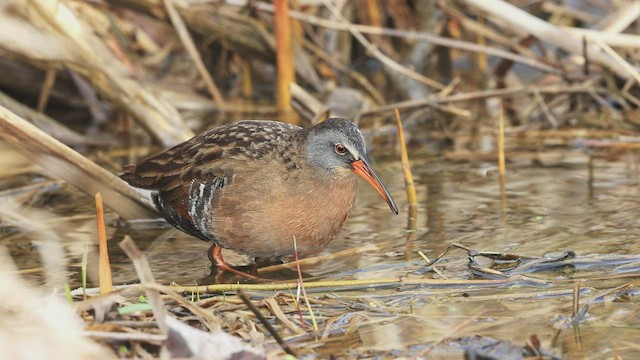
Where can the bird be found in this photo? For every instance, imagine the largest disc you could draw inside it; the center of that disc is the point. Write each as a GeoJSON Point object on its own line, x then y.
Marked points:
{"type": "Point", "coordinates": [254, 186]}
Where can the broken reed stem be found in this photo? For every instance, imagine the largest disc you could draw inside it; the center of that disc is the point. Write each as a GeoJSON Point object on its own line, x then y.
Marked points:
{"type": "Point", "coordinates": [501, 159]}
{"type": "Point", "coordinates": [408, 182]}
{"type": "Point", "coordinates": [284, 55]}
{"type": "Point", "coordinates": [104, 266]}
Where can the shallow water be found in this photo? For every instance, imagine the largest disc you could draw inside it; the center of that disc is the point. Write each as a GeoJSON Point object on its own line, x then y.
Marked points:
{"type": "Point", "coordinates": [549, 210]}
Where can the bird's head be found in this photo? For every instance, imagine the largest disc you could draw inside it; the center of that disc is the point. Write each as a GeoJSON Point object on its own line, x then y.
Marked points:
{"type": "Point", "coordinates": [337, 146]}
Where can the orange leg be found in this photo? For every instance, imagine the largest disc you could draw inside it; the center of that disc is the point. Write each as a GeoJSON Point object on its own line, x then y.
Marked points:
{"type": "Point", "coordinates": [215, 255]}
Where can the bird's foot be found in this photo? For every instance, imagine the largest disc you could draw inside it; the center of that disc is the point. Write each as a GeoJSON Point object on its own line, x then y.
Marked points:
{"type": "Point", "coordinates": [215, 256]}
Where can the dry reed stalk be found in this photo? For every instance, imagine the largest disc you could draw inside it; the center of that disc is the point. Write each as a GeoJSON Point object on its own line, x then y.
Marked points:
{"type": "Point", "coordinates": [433, 266]}
{"type": "Point", "coordinates": [266, 323]}
{"type": "Point", "coordinates": [345, 285]}
{"type": "Point", "coordinates": [302, 288]}
{"type": "Point", "coordinates": [501, 159]}
{"type": "Point", "coordinates": [189, 45]}
{"type": "Point", "coordinates": [528, 24]}
{"type": "Point", "coordinates": [47, 86]}
{"type": "Point", "coordinates": [145, 275]}
{"type": "Point", "coordinates": [628, 68]}
{"type": "Point", "coordinates": [296, 26]}
{"type": "Point", "coordinates": [104, 268]}
{"type": "Point", "coordinates": [320, 111]}
{"type": "Point", "coordinates": [362, 80]}
{"type": "Point", "coordinates": [383, 58]}
{"type": "Point", "coordinates": [481, 58]}
{"type": "Point", "coordinates": [417, 36]}
{"type": "Point", "coordinates": [284, 56]}
{"type": "Point", "coordinates": [247, 78]}
{"type": "Point", "coordinates": [576, 300]}
{"type": "Point", "coordinates": [412, 198]}
{"type": "Point", "coordinates": [55, 35]}
{"type": "Point", "coordinates": [59, 160]}
{"type": "Point", "coordinates": [274, 308]}
{"type": "Point", "coordinates": [208, 318]}
{"type": "Point", "coordinates": [46, 124]}
{"type": "Point", "coordinates": [585, 87]}
{"type": "Point", "coordinates": [353, 284]}
{"type": "Point", "coordinates": [315, 259]}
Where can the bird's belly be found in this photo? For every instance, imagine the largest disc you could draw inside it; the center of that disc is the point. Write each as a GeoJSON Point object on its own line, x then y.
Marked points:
{"type": "Point", "coordinates": [266, 228]}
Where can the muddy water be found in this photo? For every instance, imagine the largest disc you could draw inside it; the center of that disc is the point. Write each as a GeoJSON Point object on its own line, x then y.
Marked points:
{"type": "Point", "coordinates": [548, 210]}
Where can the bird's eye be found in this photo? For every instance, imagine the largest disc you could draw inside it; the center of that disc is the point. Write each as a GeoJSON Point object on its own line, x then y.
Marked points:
{"type": "Point", "coordinates": [341, 149]}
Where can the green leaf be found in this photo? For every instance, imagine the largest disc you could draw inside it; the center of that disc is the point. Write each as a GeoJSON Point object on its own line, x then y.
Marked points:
{"type": "Point", "coordinates": [134, 308]}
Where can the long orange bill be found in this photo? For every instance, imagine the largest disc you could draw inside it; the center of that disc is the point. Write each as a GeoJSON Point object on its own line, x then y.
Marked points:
{"type": "Point", "coordinates": [364, 170]}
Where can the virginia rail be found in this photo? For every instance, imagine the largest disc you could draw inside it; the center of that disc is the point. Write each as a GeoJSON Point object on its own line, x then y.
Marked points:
{"type": "Point", "coordinates": [254, 186]}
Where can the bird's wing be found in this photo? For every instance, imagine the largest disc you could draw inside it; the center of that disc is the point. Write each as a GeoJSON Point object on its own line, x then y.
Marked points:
{"type": "Point", "coordinates": [184, 179]}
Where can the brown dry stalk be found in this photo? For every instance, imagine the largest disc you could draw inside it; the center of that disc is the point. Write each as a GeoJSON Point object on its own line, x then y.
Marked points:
{"type": "Point", "coordinates": [408, 182]}
{"type": "Point", "coordinates": [104, 266]}
{"type": "Point", "coordinates": [284, 55]}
